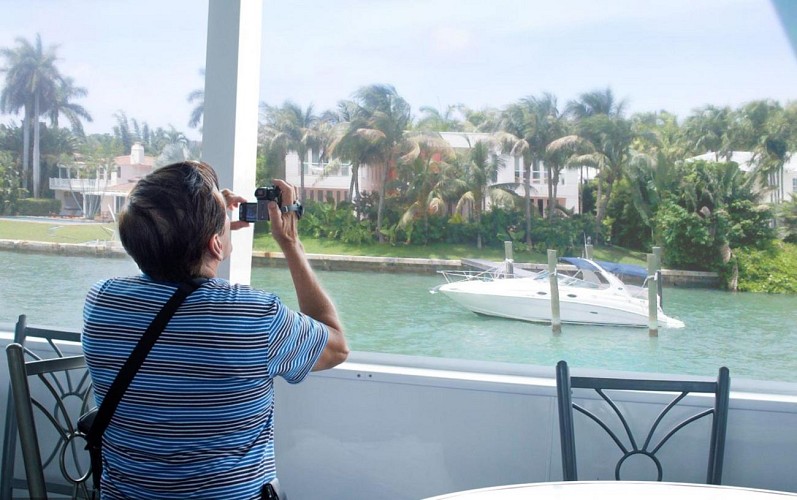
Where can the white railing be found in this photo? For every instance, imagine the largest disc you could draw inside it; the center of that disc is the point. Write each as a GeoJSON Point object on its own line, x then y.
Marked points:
{"type": "Point", "coordinates": [324, 169]}
{"type": "Point", "coordinates": [82, 185]}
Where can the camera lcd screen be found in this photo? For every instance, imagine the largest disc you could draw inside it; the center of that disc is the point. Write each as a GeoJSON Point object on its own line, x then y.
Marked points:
{"type": "Point", "coordinates": [247, 212]}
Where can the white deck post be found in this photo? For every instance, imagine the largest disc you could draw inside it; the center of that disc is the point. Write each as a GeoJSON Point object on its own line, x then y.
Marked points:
{"type": "Point", "coordinates": [232, 93]}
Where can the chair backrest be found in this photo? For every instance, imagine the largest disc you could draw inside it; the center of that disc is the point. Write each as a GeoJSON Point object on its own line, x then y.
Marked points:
{"type": "Point", "coordinates": [612, 417]}
{"type": "Point", "coordinates": [47, 396]}
{"type": "Point", "coordinates": [49, 349]}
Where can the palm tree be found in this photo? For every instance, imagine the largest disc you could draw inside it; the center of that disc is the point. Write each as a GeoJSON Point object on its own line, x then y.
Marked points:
{"type": "Point", "coordinates": [660, 144]}
{"type": "Point", "coordinates": [559, 154]}
{"type": "Point", "coordinates": [597, 102]}
{"type": "Point", "coordinates": [293, 129]}
{"type": "Point", "coordinates": [63, 105]}
{"type": "Point", "coordinates": [353, 141]}
{"type": "Point", "coordinates": [174, 146]}
{"type": "Point", "coordinates": [31, 84]}
{"type": "Point", "coordinates": [528, 126]}
{"type": "Point", "coordinates": [198, 112]}
{"type": "Point", "coordinates": [378, 119]}
{"type": "Point", "coordinates": [708, 130]}
{"type": "Point", "coordinates": [710, 189]}
{"type": "Point", "coordinates": [612, 137]}
{"type": "Point", "coordinates": [599, 120]}
{"type": "Point", "coordinates": [766, 127]}
{"type": "Point", "coordinates": [423, 170]}
{"type": "Point", "coordinates": [122, 132]}
{"type": "Point", "coordinates": [483, 120]}
{"type": "Point", "coordinates": [439, 121]}
{"type": "Point", "coordinates": [481, 165]}
{"type": "Point", "coordinates": [788, 217]}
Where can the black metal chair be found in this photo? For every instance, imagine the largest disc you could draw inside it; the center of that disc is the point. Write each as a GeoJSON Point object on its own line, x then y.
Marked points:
{"type": "Point", "coordinates": [54, 391]}
{"type": "Point", "coordinates": [612, 417]}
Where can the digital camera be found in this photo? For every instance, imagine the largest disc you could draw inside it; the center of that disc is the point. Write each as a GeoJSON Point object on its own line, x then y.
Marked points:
{"type": "Point", "coordinates": [253, 212]}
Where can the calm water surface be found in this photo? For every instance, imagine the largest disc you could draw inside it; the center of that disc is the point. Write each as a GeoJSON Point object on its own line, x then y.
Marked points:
{"type": "Point", "coordinates": [754, 335]}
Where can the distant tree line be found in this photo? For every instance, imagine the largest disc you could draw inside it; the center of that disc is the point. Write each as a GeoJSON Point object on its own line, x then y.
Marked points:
{"type": "Point", "coordinates": [645, 192]}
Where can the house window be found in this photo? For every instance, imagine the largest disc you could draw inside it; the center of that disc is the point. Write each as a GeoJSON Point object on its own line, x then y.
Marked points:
{"type": "Point", "coordinates": [518, 167]}
{"type": "Point", "coordinates": [794, 185]}
{"type": "Point", "coordinates": [537, 173]}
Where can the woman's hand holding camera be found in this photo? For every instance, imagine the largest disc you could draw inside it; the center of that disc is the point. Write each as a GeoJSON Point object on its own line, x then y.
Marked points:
{"type": "Point", "coordinates": [232, 201]}
{"type": "Point", "coordinates": [283, 224]}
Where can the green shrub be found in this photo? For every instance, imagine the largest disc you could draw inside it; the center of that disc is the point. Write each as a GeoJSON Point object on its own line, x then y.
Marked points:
{"type": "Point", "coordinates": [565, 235]}
{"type": "Point", "coordinates": [38, 206]}
{"type": "Point", "coordinates": [772, 270]}
{"type": "Point", "coordinates": [687, 239]}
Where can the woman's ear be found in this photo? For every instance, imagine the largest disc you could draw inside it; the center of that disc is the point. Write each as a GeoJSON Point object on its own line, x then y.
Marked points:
{"type": "Point", "coordinates": [216, 247]}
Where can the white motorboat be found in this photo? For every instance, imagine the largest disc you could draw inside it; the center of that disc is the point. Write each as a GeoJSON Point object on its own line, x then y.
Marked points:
{"type": "Point", "coordinates": [591, 296]}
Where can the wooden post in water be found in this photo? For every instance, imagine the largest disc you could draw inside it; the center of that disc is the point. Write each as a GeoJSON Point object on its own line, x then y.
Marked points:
{"type": "Point", "coordinates": [653, 312]}
{"type": "Point", "coordinates": [556, 320]}
{"type": "Point", "coordinates": [588, 251]}
{"type": "Point", "coordinates": [508, 262]}
{"type": "Point", "coordinates": [659, 280]}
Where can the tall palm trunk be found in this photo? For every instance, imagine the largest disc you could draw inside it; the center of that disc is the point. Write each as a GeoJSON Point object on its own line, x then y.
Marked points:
{"type": "Point", "coordinates": [477, 205]}
{"type": "Point", "coordinates": [381, 206]}
{"type": "Point", "coordinates": [598, 212]}
{"type": "Point", "coordinates": [555, 190]}
{"type": "Point", "coordinates": [550, 193]}
{"type": "Point", "coordinates": [603, 203]}
{"type": "Point", "coordinates": [354, 187]}
{"type": "Point", "coordinates": [302, 155]}
{"type": "Point", "coordinates": [26, 123]}
{"type": "Point", "coordinates": [36, 146]}
{"type": "Point", "coordinates": [527, 187]}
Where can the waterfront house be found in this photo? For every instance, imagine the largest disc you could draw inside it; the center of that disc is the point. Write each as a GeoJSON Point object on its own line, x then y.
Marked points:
{"type": "Point", "coordinates": [104, 192]}
{"type": "Point", "coordinates": [331, 179]}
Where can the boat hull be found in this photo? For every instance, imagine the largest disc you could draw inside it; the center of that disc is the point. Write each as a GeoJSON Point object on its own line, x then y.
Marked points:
{"type": "Point", "coordinates": [529, 299]}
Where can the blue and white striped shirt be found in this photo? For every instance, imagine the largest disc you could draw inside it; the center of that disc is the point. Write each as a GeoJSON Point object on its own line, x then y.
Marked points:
{"type": "Point", "coordinates": [197, 420]}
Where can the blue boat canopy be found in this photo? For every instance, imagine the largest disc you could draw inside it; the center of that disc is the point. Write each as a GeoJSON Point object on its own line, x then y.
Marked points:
{"type": "Point", "coordinates": [612, 267]}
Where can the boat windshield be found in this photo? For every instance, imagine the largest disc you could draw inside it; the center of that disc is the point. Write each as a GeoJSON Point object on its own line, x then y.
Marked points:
{"type": "Point", "coordinates": [571, 281]}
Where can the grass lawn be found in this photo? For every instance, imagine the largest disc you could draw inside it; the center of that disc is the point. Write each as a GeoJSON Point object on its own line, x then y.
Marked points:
{"type": "Point", "coordinates": [81, 233]}
{"type": "Point", "coordinates": [68, 232]}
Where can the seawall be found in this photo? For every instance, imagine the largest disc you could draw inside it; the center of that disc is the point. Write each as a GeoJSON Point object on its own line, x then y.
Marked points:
{"type": "Point", "coordinates": [673, 278]}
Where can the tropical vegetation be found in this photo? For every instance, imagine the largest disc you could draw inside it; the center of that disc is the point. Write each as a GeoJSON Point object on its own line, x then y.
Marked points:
{"type": "Point", "coordinates": [648, 189]}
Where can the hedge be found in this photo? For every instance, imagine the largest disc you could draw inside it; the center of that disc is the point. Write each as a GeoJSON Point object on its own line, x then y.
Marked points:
{"type": "Point", "coordinates": [38, 206]}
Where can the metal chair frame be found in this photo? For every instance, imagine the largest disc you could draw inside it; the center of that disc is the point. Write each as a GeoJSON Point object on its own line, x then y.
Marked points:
{"type": "Point", "coordinates": [57, 378]}
{"type": "Point", "coordinates": [681, 388]}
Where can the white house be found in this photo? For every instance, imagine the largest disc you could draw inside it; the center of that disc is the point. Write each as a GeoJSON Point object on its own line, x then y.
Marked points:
{"type": "Point", "coordinates": [106, 192]}
{"type": "Point", "coordinates": [324, 181]}
{"type": "Point", "coordinates": [511, 170]}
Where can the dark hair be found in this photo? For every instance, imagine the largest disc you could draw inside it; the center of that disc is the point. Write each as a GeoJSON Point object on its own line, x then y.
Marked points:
{"type": "Point", "coordinates": [170, 217]}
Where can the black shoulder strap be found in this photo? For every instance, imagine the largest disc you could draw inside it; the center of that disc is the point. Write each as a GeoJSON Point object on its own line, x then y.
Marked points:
{"type": "Point", "coordinates": [136, 359]}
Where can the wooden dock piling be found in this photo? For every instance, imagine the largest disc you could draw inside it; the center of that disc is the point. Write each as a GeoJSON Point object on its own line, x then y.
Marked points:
{"type": "Point", "coordinates": [556, 320]}
{"type": "Point", "coordinates": [653, 310]}
{"type": "Point", "coordinates": [508, 260]}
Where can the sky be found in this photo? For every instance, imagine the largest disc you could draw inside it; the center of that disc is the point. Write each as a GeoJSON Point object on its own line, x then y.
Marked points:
{"type": "Point", "coordinates": [144, 57]}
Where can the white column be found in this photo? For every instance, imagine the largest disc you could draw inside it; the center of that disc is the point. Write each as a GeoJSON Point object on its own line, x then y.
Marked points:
{"type": "Point", "coordinates": [232, 92]}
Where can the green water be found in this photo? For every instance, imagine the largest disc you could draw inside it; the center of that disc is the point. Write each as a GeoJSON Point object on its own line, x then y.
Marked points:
{"type": "Point", "coordinates": [754, 335]}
